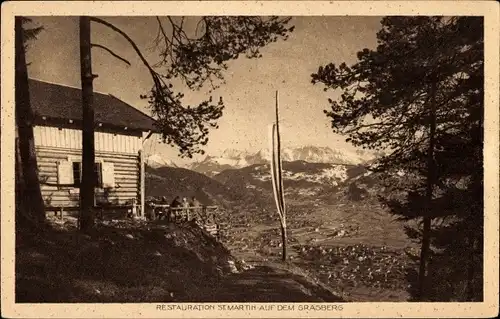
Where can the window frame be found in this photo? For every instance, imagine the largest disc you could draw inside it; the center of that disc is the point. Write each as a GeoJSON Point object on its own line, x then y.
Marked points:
{"type": "Point", "coordinates": [97, 163]}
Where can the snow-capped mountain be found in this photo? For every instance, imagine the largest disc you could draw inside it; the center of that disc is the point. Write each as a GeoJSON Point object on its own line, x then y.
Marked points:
{"type": "Point", "coordinates": [156, 160]}
{"type": "Point", "coordinates": [234, 159]}
{"type": "Point", "coordinates": [315, 154]}
{"type": "Point", "coordinates": [308, 172]}
{"type": "Point", "coordinates": [212, 165]}
{"type": "Point", "coordinates": [301, 179]}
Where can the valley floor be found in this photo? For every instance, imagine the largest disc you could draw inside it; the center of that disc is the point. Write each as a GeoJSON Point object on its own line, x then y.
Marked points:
{"type": "Point", "coordinates": [358, 250]}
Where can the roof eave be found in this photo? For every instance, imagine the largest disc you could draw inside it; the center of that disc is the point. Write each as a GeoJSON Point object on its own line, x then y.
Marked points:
{"type": "Point", "coordinates": [56, 121]}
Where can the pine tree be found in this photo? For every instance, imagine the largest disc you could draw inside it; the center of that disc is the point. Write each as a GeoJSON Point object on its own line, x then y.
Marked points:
{"type": "Point", "coordinates": [416, 95]}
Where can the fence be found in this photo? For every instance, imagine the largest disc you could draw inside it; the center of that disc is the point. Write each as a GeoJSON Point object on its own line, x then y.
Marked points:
{"type": "Point", "coordinates": [205, 216]}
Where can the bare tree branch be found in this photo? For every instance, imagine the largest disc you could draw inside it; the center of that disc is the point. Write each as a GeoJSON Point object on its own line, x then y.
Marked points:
{"type": "Point", "coordinates": [114, 28]}
{"type": "Point", "coordinates": [110, 52]}
{"type": "Point", "coordinates": [159, 83]}
{"type": "Point", "coordinates": [198, 60]}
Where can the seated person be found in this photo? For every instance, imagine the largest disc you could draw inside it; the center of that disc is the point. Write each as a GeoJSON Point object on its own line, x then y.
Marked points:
{"type": "Point", "coordinates": [185, 205]}
{"type": "Point", "coordinates": [175, 203]}
{"type": "Point", "coordinates": [198, 207]}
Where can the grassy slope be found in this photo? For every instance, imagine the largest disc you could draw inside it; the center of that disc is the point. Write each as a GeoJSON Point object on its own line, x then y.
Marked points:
{"type": "Point", "coordinates": [144, 262]}
{"type": "Point", "coordinates": [118, 263]}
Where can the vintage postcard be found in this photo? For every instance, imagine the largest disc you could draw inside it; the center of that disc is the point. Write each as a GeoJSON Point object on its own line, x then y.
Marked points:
{"type": "Point", "coordinates": [230, 159]}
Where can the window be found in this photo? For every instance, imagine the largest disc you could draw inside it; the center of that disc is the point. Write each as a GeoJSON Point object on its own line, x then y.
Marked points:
{"type": "Point", "coordinates": [77, 173]}
{"type": "Point", "coordinates": [69, 173]}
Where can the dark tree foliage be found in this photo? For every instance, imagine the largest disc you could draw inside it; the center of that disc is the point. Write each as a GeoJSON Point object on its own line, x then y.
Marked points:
{"type": "Point", "coordinates": [29, 33]}
{"type": "Point", "coordinates": [385, 104]}
{"type": "Point", "coordinates": [198, 60]}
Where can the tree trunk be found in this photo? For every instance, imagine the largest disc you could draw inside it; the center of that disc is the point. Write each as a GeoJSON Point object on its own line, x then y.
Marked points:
{"type": "Point", "coordinates": [426, 234]}
{"type": "Point", "coordinates": [424, 256]}
{"type": "Point", "coordinates": [21, 219]}
{"type": "Point", "coordinates": [475, 221]}
{"type": "Point", "coordinates": [469, 289]}
{"type": "Point", "coordinates": [33, 209]}
{"type": "Point", "coordinates": [474, 237]}
{"type": "Point", "coordinates": [87, 190]}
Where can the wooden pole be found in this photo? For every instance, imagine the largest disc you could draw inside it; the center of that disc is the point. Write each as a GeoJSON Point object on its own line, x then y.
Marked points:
{"type": "Point", "coordinates": [280, 182]}
{"type": "Point", "coordinates": [143, 184]}
{"type": "Point", "coordinates": [277, 177]}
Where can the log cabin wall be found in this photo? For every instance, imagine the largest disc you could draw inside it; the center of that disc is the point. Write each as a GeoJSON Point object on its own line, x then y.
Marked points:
{"type": "Point", "coordinates": [116, 152]}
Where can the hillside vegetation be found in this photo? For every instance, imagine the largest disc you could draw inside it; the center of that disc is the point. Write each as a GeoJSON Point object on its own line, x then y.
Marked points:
{"type": "Point", "coordinates": [120, 262]}
{"type": "Point", "coordinates": [126, 261]}
{"type": "Point", "coordinates": [171, 182]}
{"type": "Point", "coordinates": [301, 179]}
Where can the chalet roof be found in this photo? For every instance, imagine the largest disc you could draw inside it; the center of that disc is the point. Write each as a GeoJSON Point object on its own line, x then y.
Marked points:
{"type": "Point", "coordinates": [60, 102]}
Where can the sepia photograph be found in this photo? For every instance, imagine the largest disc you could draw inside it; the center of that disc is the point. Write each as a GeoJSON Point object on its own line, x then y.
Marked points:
{"type": "Point", "coordinates": [213, 162]}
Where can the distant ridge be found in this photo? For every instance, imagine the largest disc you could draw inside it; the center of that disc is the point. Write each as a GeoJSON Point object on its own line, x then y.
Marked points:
{"type": "Point", "coordinates": [235, 159]}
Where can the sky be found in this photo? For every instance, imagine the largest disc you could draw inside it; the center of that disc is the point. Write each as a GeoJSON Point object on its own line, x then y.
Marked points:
{"type": "Point", "coordinates": [249, 91]}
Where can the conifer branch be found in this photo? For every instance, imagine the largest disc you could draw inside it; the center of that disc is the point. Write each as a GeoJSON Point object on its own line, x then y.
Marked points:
{"type": "Point", "coordinates": [94, 45]}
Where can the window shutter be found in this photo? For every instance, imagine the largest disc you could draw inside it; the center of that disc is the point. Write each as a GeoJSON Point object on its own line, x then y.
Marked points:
{"type": "Point", "coordinates": [65, 172]}
{"type": "Point", "coordinates": [108, 175]}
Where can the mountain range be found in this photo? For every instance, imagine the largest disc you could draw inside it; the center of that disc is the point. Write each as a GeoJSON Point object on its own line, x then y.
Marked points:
{"type": "Point", "coordinates": [236, 159]}
{"type": "Point", "coordinates": [301, 179]}
{"type": "Point", "coordinates": [251, 186]}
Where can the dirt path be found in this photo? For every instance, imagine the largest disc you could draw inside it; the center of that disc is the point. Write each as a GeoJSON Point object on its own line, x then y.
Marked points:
{"type": "Point", "coordinates": [269, 284]}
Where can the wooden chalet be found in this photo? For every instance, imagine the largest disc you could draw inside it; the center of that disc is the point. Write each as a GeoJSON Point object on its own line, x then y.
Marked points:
{"type": "Point", "coordinates": [120, 133]}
